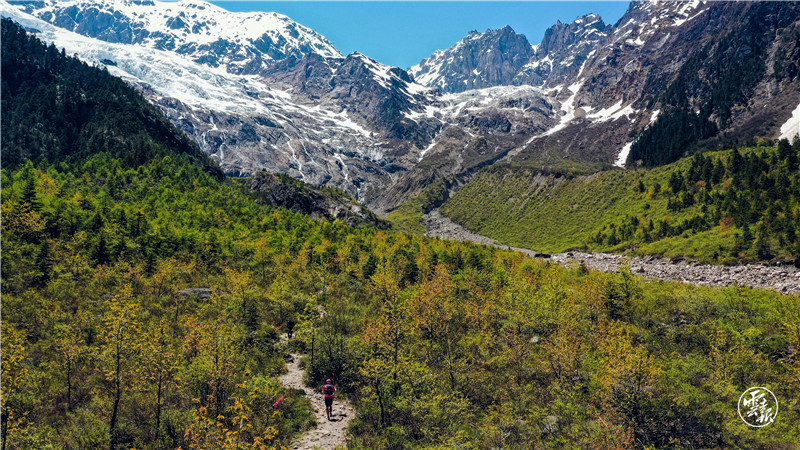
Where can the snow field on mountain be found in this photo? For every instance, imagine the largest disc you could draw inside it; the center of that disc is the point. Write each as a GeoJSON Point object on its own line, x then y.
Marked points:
{"type": "Point", "coordinates": [567, 108]}
{"type": "Point", "coordinates": [791, 128]}
{"type": "Point", "coordinates": [623, 155]}
{"type": "Point", "coordinates": [201, 23]}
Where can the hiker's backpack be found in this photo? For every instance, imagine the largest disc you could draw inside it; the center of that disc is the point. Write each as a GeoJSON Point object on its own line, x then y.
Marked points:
{"type": "Point", "coordinates": [328, 389]}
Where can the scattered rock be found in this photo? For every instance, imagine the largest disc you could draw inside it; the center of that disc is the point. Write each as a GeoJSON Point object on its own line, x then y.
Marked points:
{"type": "Point", "coordinates": [550, 424]}
{"type": "Point", "coordinates": [201, 293]}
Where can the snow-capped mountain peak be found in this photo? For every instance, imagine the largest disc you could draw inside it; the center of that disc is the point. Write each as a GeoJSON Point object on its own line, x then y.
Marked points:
{"type": "Point", "coordinates": [239, 42]}
{"type": "Point", "coordinates": [389, 77]}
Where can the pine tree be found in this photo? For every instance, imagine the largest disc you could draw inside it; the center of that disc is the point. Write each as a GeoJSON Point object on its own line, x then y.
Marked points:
{"type": "Point", "coordinates": [29, 194]}
{"type": "Point", "coordinates": [44, 263]}
{"type": "Point", "coordinates": [100, 253]}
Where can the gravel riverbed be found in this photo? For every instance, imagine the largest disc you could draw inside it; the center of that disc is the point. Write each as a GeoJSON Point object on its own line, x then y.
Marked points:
{"type": "Point", "coordinates": [784, 279]}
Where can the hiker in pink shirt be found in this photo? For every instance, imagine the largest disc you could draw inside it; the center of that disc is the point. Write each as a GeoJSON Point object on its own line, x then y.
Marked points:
{"type": "Point", "coordinates": [328, 390]}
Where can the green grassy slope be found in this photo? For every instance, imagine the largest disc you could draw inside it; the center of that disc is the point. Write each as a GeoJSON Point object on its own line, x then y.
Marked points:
{"type": "Point", "coordinates": [643, 211]}
{"type": "Point", "coordinates": [408, 216]}
{"type": "Point", "coordinates": [551, 213]}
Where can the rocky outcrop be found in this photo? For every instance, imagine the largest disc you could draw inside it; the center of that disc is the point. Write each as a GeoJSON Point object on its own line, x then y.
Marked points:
{"type": "Point", "coordinates": [284, 192]}
{"type": "Point", "coordinates": [480, 60]}
{"type": "Point", "coordinates": [563, 51]}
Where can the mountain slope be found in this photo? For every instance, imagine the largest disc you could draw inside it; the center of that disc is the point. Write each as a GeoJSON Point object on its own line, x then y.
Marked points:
{"type": "Point", "coordinates": [681, 67]}
{"type": "Point", "coordinates": [78, 111]}
{"type": "Point", "coordinates": [349, 131]}
{"type": "Point", "coordinates": [615, 81]}
{"type": "Point", "coordinates": [58, 109]}
{"type": "Point", "coordinates": [580, 99]}
{"type": "Point", "coordinates": [722, 207]}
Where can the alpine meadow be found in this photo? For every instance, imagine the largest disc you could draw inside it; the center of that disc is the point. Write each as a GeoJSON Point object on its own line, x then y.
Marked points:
{"type": "Point", "coordinates": [213, 221]}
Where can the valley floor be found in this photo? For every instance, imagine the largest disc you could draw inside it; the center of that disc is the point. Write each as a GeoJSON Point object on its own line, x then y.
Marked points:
{"type": "Point", "coordinates": [784, 279]}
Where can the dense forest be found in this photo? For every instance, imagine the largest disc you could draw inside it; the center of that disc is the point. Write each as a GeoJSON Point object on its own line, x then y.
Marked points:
{"type": "Point", "coordinates": [102, 344]}
{"type": "Point", "coordinates": [140, 303]}
{"type": "Point", "coordinates": [57, 108]}
{"type": "Point", "coordinates": [752, 196]}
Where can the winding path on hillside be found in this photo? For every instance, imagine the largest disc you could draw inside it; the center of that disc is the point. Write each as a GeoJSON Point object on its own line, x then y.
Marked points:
{"type": "Point", "coordinates": [784, 279]}
{"type": "Point", "coordinates": [327, 434]}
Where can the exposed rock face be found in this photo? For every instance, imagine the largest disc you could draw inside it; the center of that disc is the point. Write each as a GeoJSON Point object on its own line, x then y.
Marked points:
{"type": "Point", "coordinates": [318, 203]}
{"type": "Point", "coordinates": [503, 57]}
{"type": "Point", "coordinates": [480, 60]}
{"type": "Point", "coordinates": [564, 50]}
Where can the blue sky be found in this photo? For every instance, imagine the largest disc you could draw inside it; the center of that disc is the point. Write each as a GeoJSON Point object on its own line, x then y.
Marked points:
{"type": "Point", "coordinates": [402, 33]}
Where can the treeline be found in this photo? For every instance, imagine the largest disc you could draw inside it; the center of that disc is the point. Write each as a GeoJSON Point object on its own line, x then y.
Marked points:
{"type": "Point", "coordinates": [755, 195]}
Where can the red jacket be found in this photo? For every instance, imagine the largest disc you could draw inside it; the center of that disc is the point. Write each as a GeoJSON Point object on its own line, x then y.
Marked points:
{"type": "Point", "coordinates": [326, 394]}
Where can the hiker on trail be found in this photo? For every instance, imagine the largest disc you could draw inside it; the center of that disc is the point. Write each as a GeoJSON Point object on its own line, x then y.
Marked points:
{"type": "Point", "coordinates": [328, 390]}
{"type": "Point", "coordinates": [289, 328]}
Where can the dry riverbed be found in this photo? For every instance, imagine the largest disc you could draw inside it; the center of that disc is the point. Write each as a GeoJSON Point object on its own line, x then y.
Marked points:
{"type": "Point", "coordinates": [784, 279]}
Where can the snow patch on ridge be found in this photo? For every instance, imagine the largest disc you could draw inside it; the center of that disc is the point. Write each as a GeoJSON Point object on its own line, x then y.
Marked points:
{"type": "Point", "coordinates": [422, 153]}
{"type": "Point", "coordinates": [685, 10]}
{"type": "Point", "coordinates": [623, 155]}
{"type": "Point", "coordinates": [612, 113]}
{"type": "Point", "coordinates": [791, 128]}
{"type": "Point", "coordinates": [568, 108]}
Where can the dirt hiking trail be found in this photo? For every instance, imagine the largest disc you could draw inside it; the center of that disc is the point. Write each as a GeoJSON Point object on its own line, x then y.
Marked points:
{"type": "Point", "coordinates": [327, 435]}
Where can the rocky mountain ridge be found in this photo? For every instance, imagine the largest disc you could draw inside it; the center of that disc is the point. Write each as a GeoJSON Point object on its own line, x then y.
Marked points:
{"type": "Point", "coordinates": [480, 60]}
{"type": "Point", "coordinates": [502, 57]}
{"type": "Point", "coordinates": [382, 134]}
{"type": "Point", "coordinates": [318, 202]}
